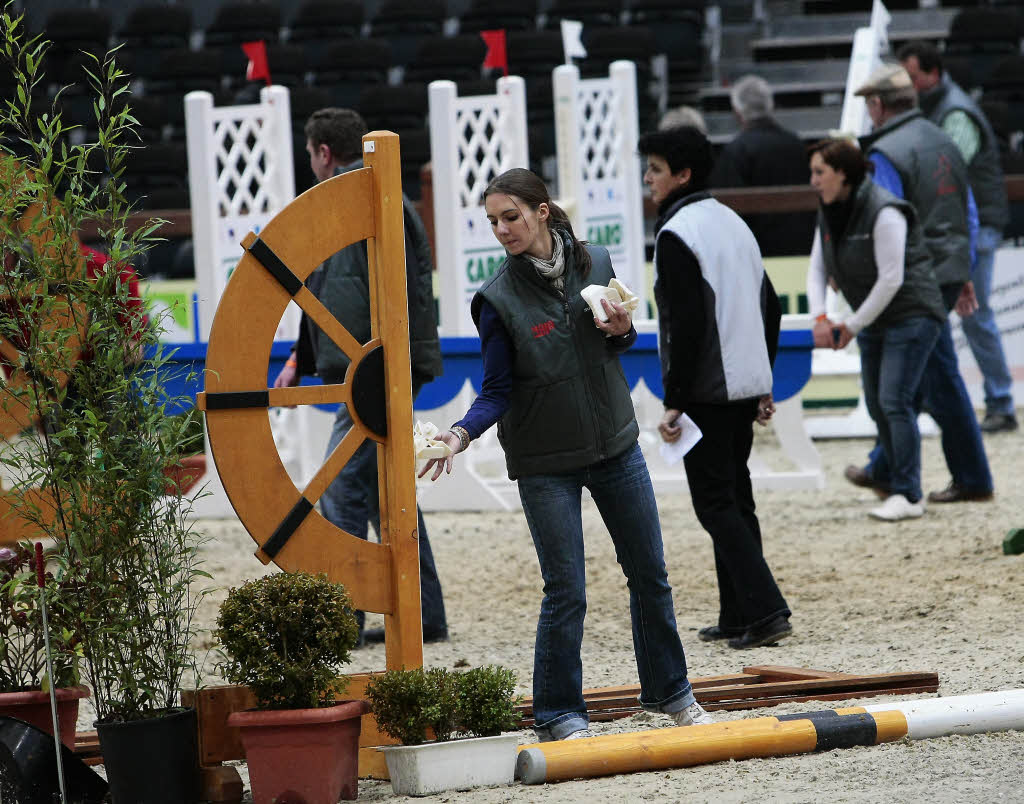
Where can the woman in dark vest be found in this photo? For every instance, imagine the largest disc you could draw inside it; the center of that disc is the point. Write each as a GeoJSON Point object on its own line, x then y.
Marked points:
{"type": "Point", "coordinates": [555, 387]}
{"type": "Point", "coordinates": [870, 247]}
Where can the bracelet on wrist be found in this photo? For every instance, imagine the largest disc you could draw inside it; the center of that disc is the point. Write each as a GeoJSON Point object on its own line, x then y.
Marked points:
{"type": "Point", "coordinates": [291, 362]}
{"type": "Point", "coordinates": [463, 435]}
{"type": "Point", "coordinates": [820, 318]}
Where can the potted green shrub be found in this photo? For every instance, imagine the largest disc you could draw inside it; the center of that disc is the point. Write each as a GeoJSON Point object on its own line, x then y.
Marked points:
{"type": "Point", "coordinates": [84, 374]}
{"type": "Point", "coordinates": [409, 705]}
{"type": "Point", "coordinates": [286, 636]}
{"type": "Point", "coordinates": [24, 682]}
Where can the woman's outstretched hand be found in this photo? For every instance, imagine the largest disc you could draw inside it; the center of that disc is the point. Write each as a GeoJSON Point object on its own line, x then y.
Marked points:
{"type": "Point", "coordinates": [443, 464]}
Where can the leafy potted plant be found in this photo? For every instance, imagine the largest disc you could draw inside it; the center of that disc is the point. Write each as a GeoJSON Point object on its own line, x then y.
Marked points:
{"type": "Point", "coordinates": [24, 683]}
{"type": "Point", "coordinates": [84, 375]}
{"type": "Point", "coordinates": [286, 636]}
{"type": "Point", "coordinates": [480, 702]}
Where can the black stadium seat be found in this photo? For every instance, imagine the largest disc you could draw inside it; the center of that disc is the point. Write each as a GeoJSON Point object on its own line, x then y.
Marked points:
{"type": "Point", "coordinates": [453, 58]}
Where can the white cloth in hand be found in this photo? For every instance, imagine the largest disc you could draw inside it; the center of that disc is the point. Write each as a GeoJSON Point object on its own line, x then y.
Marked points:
{"type": "Point", "coordinates": [615, 292]}
{"type": "Point", "coordinates": [424, 444]}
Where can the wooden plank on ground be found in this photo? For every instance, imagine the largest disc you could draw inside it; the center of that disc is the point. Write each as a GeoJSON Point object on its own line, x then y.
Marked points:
{"type": "Point", "coordinates": [758, 687]}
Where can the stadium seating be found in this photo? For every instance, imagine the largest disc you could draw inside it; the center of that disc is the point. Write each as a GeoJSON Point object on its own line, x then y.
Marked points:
{"type": "Point", "coordinates": [378, 55]}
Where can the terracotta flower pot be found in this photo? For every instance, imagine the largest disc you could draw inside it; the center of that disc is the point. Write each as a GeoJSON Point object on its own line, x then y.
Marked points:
{"type": "Point", "coordinates": [302, 754]}
{"type": "Point", "coordinates": [33, 706]}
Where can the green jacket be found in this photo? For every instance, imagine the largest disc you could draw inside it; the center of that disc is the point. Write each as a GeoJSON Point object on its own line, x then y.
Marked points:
{"type": "Point", "coordinates": [985, 170]}
{"type": "Point", "coordinates": [570, 405]}
{"type": "Point", "coordinates": [851, 261]}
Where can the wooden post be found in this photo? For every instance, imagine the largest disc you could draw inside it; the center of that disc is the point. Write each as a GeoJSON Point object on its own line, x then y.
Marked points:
{"type": "Point", "coordinates": [396, 457]}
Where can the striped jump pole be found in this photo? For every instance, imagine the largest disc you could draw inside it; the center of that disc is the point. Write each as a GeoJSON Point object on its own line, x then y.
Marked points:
{"type": "Point", "coordinates": [783, 735]}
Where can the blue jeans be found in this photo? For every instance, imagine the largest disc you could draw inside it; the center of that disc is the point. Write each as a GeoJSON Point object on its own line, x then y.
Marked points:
{"type": "Point", "coordinates": [892, 363]}
{"type": "Point", "coordinates": [352, 502]}
{"type": "Point", "coordinates": [982, 333]}
{"type": "Point", "coordinates": [944, 396]}
{"type": "Point", "coordinates": [622, 491]}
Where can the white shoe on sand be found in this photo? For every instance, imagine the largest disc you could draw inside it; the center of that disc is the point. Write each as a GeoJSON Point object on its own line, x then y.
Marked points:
{"type": "Point", "coordinates": [693, 715]}
{"type": "Point", "coordinates": [897, 507]}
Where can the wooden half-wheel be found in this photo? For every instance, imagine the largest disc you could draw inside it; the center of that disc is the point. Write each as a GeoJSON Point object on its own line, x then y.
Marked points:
{"type": "Point", "coordinates": [364, 204]}
{"type": "Point", "coordinates": [16, 411]}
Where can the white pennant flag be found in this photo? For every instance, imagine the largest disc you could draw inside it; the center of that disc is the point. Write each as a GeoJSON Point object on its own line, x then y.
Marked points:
{"type": "Point", "coordinates": [572, 41]}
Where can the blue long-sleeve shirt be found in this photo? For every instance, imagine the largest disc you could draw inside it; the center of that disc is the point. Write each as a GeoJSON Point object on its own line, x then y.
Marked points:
{"type": "Point", "coordinates": [498, 355]}
{"type": "Point", "coordinates": [888, 178]}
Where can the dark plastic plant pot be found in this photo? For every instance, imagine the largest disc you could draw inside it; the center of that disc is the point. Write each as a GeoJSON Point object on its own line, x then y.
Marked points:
{"type": "Point", "coordinates": [302, 754]}
{"type": "Point", "coordinates": [28, 768]}
{"type": "Point", "coordinates": [155, 760]}
{"type": "Point", "coordinates": [33, 706]}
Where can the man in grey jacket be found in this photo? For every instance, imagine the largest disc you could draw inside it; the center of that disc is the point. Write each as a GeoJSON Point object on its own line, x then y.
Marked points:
{"type": "Point", "coordinates": [334, 143]}
{"type": "Point", "coordinates": [949, 107]}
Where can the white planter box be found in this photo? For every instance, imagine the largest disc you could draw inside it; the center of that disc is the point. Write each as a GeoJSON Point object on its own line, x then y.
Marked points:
{"type": "Point", "coordinates": [419, 770]}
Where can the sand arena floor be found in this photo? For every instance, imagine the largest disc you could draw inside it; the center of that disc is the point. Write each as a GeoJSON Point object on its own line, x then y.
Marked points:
{"type": "Point", "coordinates": [867, 597]}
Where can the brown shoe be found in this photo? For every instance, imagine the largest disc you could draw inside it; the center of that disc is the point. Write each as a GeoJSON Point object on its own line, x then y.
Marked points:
{"type": "Point", "coordinates": [954, 493]}
{"type": "Point", "coordinates": [860, 478]}
{"type": "Point", "coordinates": [999, 423]}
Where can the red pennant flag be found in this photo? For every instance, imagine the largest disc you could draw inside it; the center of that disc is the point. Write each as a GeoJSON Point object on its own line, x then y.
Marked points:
{"type": "Point", "coordinates": [497, 56]}
{"type": "Point", "coordinates": [258, 67]}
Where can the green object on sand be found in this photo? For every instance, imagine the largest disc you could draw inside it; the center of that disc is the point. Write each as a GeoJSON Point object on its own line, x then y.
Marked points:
{"type": "Point", "coordinates": [1013, 544]}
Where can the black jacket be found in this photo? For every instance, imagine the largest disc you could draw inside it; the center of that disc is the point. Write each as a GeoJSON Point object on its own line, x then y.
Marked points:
{"type": "Point", "coordinates": [764, 154]}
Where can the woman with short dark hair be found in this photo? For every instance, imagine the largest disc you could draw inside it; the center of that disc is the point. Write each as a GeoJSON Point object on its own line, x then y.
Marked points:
{"type": "Point", "coordinates": [870, 247]}
{"type": "Point", "coordinates": [718, 329]}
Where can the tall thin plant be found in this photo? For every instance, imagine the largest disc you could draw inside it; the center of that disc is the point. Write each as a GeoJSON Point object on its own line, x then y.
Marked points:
{"type": "Point", "coordinates": [84, 374]}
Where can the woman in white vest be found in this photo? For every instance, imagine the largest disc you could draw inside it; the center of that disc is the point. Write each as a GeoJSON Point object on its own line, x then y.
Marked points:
{"type": "Point", "coordinates": [870, 246]}
{"type": "Point", "coordinates": [718, 324]}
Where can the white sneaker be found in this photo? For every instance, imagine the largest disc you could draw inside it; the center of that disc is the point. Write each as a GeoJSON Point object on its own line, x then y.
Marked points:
{"type": "Point", "coordinates": [693, 715]}
{"type": "Point", "coordinates": [579, 735]}
{"type": "Point", "coordinates": [897, 507]}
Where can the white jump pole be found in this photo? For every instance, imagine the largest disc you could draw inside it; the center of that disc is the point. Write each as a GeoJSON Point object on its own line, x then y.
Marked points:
{"type": "Point", "coordinates": [959, 714]}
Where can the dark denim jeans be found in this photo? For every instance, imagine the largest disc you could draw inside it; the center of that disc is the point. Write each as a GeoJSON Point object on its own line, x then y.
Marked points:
{"type": "Point", "coordinates": [892, 363]}
{"type": "Point", "coordinates": [622, 490]}
{"type": "Point", "coordinates": [352, 502]}
{"type": "Point", "coordinates": [944, 396]}
{"type": "Point", "coordinates": [719, 480]}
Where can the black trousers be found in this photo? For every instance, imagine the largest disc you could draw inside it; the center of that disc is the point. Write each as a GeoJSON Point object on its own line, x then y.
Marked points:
{"type": "Point", "coordinates": [716, 470]}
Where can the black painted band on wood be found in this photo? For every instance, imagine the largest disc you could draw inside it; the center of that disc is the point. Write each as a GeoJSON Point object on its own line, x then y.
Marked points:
{"type": "Point", "coordinates": [228, 400]}
{"type": "Point", "coordinates": [368, 396]}
{"type": "Point", "coordinates": [839, 731]}
{"type": "Point", "coordinates": [288, 526]}
{"type": "Point", "coordinates": [275, 266]}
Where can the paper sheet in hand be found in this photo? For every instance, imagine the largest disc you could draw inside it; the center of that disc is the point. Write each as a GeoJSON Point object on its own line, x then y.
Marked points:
{"type": "Point", "coordinates": [674, 452]}
{"type": "Point", "coordinates": [426, 448]}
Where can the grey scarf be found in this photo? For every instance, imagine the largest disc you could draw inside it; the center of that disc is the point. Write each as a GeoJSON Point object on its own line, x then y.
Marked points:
{"type": "Point", "coordinates": [552, 270]}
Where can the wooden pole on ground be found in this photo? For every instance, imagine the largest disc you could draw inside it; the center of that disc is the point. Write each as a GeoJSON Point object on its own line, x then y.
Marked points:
{"type": "Point", "coordinates": [685, 746]}
{"type": "Point", "coordinates": [783, 735]}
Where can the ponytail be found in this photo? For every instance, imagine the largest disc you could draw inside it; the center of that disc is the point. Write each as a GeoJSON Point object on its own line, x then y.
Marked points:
{"type": "Point", "coordinates": [558, 218]}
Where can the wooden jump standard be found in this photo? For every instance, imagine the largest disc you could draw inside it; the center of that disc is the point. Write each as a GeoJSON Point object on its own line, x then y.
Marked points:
{"type": "Point", "coordinates": [15, 414]}
{"type": "Point", "coordinates": [364, 204]}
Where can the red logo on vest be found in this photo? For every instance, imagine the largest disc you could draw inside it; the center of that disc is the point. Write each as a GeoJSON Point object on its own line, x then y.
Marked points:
{"type": "Point", "coordinates": [944, 177]}
{"type": "Point", "coordinates": [540, 330]}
